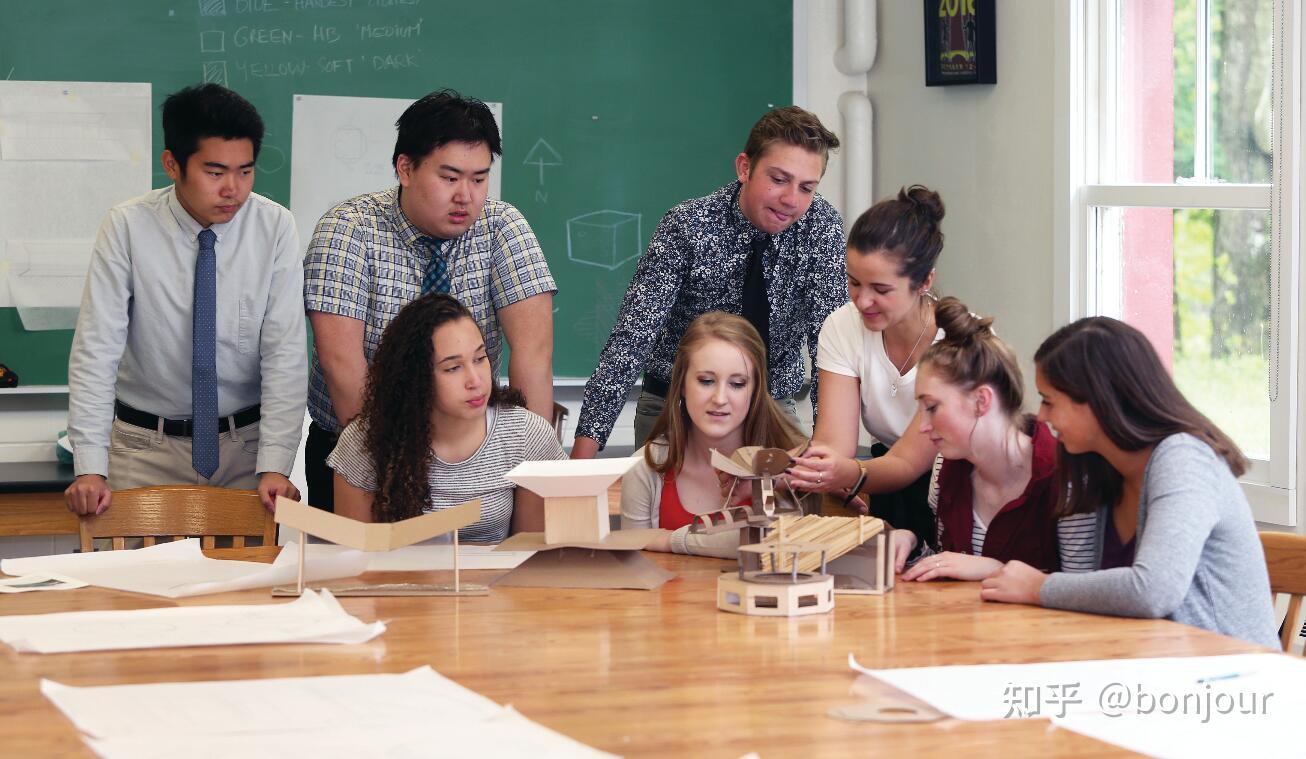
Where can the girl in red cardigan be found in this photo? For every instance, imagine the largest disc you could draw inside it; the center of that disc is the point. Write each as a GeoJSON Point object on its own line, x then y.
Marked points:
{"type": "Point", "coordinates": [994, 491]}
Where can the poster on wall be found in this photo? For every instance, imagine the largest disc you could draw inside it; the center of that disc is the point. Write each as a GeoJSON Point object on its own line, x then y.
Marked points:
{"type": "Point", "coordinates": [960, 42]}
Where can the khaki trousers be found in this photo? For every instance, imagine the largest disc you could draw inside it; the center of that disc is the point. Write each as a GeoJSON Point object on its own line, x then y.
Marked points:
{"type": "Point", "coordinates": [139, 457]}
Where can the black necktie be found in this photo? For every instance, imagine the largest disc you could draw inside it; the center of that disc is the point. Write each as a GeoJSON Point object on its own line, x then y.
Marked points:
{"type": "Point", "coordinates": [754, 305]}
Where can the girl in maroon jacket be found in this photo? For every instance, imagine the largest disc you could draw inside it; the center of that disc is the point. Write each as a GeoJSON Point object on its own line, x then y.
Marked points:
{"type": "Point", "coordinates": [994, 491]}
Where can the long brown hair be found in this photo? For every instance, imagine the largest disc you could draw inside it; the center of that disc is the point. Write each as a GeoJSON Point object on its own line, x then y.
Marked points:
{"type": "Point", "coordinates": [1115, 370]}
{"type": "Point", "coordinates": [397, 406]}
{"type": "Point", "coordinates": [765, 423]}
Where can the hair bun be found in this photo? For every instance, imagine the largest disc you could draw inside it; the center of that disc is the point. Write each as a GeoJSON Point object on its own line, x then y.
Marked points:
{"type": "Point", "coordinates": [924, 201]}
{"type": "Point", "coordinates": [959, 325]}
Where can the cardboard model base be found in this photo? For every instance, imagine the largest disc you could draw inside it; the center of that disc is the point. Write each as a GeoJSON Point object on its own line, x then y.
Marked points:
{"type": "Point", "coordinates": [615, 562]}
{"type": "Point", "coordinates": [587, 568]}
{"type": "Point", "coordinates": [814, 594]}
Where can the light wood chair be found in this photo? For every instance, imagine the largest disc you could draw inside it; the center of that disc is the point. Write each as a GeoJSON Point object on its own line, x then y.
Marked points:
{"type": "Point", "coordinates": [1285, 557]}
{"type": "Point", "coordinates": [559, 419]}
{"type": "Point", "coordinates": [173, 512]}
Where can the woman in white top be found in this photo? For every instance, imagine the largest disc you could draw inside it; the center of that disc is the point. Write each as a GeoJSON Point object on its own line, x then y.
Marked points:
{"type": "Point", "coordinates": [436, 430]}
{"type": "Point", "coordinates": [867, 358]}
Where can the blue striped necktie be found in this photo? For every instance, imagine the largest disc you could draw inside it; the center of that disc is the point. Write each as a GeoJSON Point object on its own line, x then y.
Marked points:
{"type": "Point", "coordinates": [436, 279]}
{"type": "Point", "coordinates": [204, 361]}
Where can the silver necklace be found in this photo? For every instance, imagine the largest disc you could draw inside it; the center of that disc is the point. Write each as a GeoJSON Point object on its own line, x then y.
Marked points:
{"type": "Point", "coordinates": [893, 386]}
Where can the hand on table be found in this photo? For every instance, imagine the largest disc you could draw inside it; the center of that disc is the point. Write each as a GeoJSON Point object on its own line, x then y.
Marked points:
{"type": "Point", "coordinates": [1016, 583]}
{"type": "Point", "coordinates": [661, 542]}
{"type": "Point", "coordinates": [951, 565]}
{"type": "Point", "coordinates": [904, 542]}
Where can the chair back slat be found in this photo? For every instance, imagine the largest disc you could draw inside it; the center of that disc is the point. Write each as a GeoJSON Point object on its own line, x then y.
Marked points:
{"type": "Point", "coordinates": [1285, 558]}
{"type": "Point", "coordinates": [1289, 629]}
{"type": "Point", "coordinates": [559, 419]}
{"type": "Point", "coordinates": [180, 511]}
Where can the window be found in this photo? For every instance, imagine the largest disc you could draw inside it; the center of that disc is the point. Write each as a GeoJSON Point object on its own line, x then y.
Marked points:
{"type": "Point", "coordinates": [1180, 206]}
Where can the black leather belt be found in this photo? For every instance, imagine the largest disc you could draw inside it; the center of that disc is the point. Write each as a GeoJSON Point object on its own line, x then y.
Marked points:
{"type": "Point", "coordinates": [656, 386]}
{"type": "Point", "coordinates": [181, 427]}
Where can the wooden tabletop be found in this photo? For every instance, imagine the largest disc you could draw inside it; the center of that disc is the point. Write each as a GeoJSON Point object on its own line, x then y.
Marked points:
{"type": "Point", "coordinates": [638, 673]}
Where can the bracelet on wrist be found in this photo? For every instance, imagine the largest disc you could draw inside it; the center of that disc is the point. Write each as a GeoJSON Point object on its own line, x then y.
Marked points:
{"type": "Point", "coordinates": [861, 481]}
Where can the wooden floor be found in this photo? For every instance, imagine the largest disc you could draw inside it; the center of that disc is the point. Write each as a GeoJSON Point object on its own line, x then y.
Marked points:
{"type": "Point", "coordinates": [638, 673]}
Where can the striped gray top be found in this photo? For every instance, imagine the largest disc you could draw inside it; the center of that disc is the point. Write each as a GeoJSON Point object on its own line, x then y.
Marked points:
{"type": "Point", "coordinates": [513, 435]}
{"type": "Point", "coordinates": [978, 531]}
{"type": "Point", "coordinates": [1076, 539]}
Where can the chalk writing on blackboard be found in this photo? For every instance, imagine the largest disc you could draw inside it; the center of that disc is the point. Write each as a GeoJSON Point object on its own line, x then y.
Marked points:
{"type": "Point", "coordinates": [542, 154]}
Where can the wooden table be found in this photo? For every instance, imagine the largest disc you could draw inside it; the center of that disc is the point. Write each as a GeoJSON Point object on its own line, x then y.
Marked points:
{"type": "Point", "coordinates": [31, 499]}
{"type": "Point", "coordinates": [637, 673]}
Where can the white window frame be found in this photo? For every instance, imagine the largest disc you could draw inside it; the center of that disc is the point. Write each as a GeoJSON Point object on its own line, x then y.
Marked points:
{"type": "Point", "coordinates": [1080, 112]}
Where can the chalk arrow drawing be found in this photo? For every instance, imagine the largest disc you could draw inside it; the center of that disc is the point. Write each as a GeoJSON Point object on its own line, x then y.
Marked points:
{"type": "Point", "coordinates": [542, 154]}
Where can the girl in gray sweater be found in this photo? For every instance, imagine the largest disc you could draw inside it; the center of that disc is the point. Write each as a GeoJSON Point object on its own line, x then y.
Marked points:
{"type": "Point", "coordinates": [1175, 537]}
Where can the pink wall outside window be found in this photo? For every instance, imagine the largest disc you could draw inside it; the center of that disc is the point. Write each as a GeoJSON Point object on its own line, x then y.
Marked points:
{"type": "Point", "coordinates": [1145, 141]}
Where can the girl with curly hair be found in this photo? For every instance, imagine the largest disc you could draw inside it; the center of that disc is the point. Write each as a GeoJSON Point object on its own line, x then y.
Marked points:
{"type": "Point", "coordinates": [437, 430]}
{"type": "Point", "coordinates": [717, 398]}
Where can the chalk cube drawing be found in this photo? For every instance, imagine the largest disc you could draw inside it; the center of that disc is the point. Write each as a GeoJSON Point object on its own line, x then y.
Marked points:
{"type": "Point", "coordinates": [606, 239]}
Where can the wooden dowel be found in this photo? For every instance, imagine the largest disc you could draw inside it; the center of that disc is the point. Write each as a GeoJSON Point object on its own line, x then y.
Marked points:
{"type": "Point", "coordinates": [303, 548]}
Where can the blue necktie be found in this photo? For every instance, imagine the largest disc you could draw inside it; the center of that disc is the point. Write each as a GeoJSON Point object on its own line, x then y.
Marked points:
{"type": "Point", "coordinates": [204, 361]}
{"type": "Point", "coordinates": [436, 279]}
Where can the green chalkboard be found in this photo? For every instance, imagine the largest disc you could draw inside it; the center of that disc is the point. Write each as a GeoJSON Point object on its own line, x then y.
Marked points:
{"type": "Point", "coordinates": [639, 104]}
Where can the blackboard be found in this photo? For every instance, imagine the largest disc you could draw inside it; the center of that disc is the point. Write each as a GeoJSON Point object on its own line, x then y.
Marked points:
{"type": "Point", "coordinates": [614, 110]}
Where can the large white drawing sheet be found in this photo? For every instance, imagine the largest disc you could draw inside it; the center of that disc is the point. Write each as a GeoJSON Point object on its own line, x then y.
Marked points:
{"type": "Point", "coordinates": [315, 617]}
{"type": "Point", "coordinates": [179, 569]}
{"type": "Point", "coordinates": [1234, 705]}
{"type": "Point", "coordinates": [344, 146]}
{"type": "Point", "coordinates": [419, 713]}
{"type": "Point", "coordinates": [69, 151]}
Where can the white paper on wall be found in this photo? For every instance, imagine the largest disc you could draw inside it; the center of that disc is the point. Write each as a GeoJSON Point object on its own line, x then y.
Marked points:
{"type": "Point", "coordinates": [69, 151]}
{"type": "Point", "coordinates": [342, 147]}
